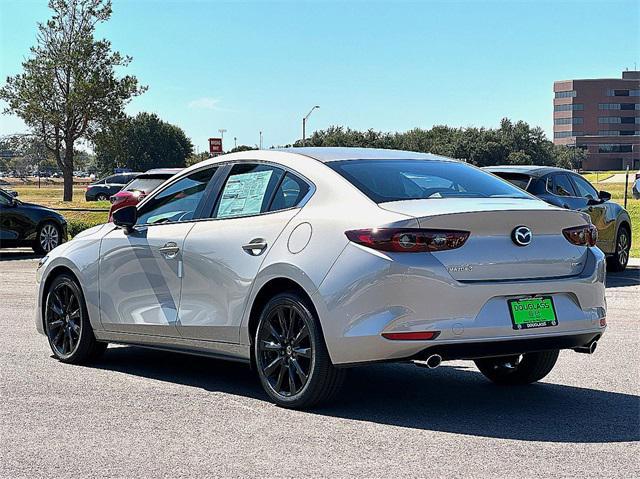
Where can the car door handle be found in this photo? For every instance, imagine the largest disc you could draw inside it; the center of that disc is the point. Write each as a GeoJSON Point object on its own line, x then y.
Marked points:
{"type": "Point", "coordinates": [255, 247]}
{"type": "Point", "coordinates": [169, 250]}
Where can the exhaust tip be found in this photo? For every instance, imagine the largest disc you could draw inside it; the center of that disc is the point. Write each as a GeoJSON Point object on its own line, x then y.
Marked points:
{"type": "Point", "coordinates": [587, 349]}
{"type": "Point", "coordinates": [434, 361]}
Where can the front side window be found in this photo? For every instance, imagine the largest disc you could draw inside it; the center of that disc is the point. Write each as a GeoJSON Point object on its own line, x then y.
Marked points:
{"type": "Point", "coordinates": [146, 184]}
{"type": "Point", "coordinates": [248, 190]}
{"type": "Point", "coordinates": [562, 186]}
{"type": "Point", "coordinates": [179, 201]}
{"type": "Point", "coordinates": [584, 188]}
{"type": "Point", "coordinates": [4, 199]}
{"type": "Point", "coordinates": [398, 180]}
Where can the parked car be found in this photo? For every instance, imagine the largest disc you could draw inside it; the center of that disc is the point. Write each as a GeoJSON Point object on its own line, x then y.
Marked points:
{"type": "Point", "coordinates": [141, 186]}
{"type": "Point", "coordinates": [102, 189]}
{"type": "Point", "coordinates": [26, 224]}
{"type": "Point", "coordinates": [570, 190]}
{"type": "Point", "coordinates": [357, 262]}
{"type": "Point", "coordinates": [636, 189]}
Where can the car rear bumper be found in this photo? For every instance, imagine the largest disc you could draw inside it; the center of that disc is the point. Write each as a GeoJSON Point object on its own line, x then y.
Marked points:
{"type": "Point", "coordinates": [366, 294]}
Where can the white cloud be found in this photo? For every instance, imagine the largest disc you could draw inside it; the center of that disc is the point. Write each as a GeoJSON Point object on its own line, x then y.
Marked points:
{"type": "Point", "coordinates": [205, 103]}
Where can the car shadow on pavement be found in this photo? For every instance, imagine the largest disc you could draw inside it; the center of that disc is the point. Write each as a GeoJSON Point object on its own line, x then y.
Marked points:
{"type": "Point", "coordinates": [454, 399]}
{"type": "Point", "coordinates": [629, 277]}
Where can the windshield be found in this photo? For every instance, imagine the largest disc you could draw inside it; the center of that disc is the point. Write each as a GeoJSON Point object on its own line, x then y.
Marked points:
{"type": "Point", "coordinates": [398, 180]}
{"type": "Point", "coordinates": [144, 185]}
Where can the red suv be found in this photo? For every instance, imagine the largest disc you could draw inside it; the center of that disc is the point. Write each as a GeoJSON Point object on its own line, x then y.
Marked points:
{"type": "Point", "coordinates": [141, 186]}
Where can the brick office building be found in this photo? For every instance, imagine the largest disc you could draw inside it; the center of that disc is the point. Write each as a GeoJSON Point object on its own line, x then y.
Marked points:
{"type": "Point", "coordinates": [601, 116]}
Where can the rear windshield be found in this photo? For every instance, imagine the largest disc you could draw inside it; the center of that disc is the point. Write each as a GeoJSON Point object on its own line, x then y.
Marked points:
{"type": "Point", "coordinates": [397, 180]}
{"type": "Point", "coordinates": [145, 185]}
{"type": "Point", "coordinates": [518, 179]}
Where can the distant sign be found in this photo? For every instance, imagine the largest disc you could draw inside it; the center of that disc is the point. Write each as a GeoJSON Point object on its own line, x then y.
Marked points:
{"type": "Point", "coordinates": [215, 146]}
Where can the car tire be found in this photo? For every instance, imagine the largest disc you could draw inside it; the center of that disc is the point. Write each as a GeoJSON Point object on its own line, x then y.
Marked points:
{"type": "Point", "coordinates": [618, 261]}
{"type": "Point", "coordinates": [102, 197]}
{"type": "Point", "coordinates": [48, 236]}
{"type": "Point", "coordinates": [291, 357]}
{"type": "Point", "coordinates": [67, 325]}
{"type": "Point", "coordinates": [518, 370]}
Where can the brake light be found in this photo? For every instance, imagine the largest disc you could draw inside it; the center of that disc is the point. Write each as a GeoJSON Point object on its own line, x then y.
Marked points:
{"type": "Point", "coordinates": [412, 336]}
{"type": "Point", "coordinates": [408, 240]}
{"type": "Point", "coordinates": [581, 235]}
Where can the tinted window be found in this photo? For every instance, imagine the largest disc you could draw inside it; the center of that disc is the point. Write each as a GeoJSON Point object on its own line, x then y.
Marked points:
{"type": "Point", "coordinates": [562, 186]}
{"type": "Point", "coordinates": [290, 192]}
{"type": "Point", "coordinates": [584, 188]}
{"type": "Point", "coordinates": [518, 179]}
{"type": "Point", "coordinates": [179, 201]}
{"type": "Point", "coordinates": [397, 180]}
{"type": "Point", "coordinates": [117, 179]}
{"type": "Point", "coordinates": [248, 190]}
{"type": "Point", "coordinates": [5, 199]}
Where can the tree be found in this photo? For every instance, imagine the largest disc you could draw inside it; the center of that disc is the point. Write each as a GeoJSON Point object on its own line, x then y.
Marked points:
{"type": "Point", "coordinates": [567, 157]}
{"type": "Point", "coordinates": [141, 143]}
{"type": "Point", "coordinates": [68, 87]}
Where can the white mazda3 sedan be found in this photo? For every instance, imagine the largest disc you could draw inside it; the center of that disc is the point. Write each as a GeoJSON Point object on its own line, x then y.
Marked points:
{"type": "Point", "coordinates": [303, 262]}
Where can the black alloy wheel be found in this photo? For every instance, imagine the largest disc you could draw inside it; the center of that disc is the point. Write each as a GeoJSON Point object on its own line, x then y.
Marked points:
{"type": "Point", "coordinates": [291, 358]}
{"type": "Point", "coordinates": [49, 236]}
{"type": "Point", "coordinates": [66, 323]}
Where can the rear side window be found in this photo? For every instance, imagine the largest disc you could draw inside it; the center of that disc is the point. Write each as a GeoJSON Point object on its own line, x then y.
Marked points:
{"type": "Point", "coordinates": [248, 190]}
{"type": "Point", "coordinates": [517, 179]}
{"type": "Point", "coordinates": [397, 180]}
{"type": "Point", "coordinates": [290, 192]}
{"type": "Point", "coordinates": [561, 186]}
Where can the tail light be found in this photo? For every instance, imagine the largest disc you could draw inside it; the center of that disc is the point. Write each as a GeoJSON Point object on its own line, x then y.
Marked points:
{"type": "Point", "coordinates": [581, 235]}
{"type": "Point", "coordinates": [408, 240]}
{"type": "Point", "coordinates": [412, 336]}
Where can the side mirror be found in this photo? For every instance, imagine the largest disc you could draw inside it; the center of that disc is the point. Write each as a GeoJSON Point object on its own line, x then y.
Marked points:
{"type": "Point", "coordinates": [14, 194]}
{"type": "Point", "coordinates": [604, 195]}
{"type": "Point", "coordinates": [126, 218]}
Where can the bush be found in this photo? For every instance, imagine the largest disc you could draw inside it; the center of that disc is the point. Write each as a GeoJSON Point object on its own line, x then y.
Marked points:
{"type": "Point", "coordinates": [75, 226]}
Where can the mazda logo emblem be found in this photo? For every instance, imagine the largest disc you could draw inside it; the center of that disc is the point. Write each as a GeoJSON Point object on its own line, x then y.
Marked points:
{"type": "Point", "coordinates": [521, 236]}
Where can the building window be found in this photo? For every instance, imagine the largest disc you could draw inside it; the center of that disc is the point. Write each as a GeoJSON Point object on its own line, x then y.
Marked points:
{"type": "Point", "coordinates": [568, 121]}
{"type": "Point", "coordinates": [567, 134]}
{"type": "Point", "coordinates": [619, 133]}
{"type": "Point", "coordinates": [617, 106]}
{"type": "Point", "coordinates": [623, 92]}
{"type": "Point", "coordinates": [614, 148]}
{"type": "Point", "coordinates": [609, 119]}
{"type": "Point", "coordinates": [569, 107]}
{"type": "Point", "coordinates": [565, 94]}
{"type": "Point", "coordinates": [630, 120]}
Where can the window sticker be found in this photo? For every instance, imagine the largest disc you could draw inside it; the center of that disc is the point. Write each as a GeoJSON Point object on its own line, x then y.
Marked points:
{"type": "Point", "coordinates": [243, 194]}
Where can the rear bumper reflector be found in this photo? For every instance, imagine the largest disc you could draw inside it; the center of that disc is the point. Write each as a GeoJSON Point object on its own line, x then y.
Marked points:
{"type": "Point", "coordinates": [412, 335]}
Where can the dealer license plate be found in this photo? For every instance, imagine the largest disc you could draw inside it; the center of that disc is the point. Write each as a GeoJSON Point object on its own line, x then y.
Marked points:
{"type": "Point", "coordinates": [537, 312]}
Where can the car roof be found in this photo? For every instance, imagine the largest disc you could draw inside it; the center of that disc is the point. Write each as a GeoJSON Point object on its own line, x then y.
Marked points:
{"type": "Point", "coordinates": [531, 170]}
{"type": "Point", "coordinates": [328, 154]}
{"type": "Point", "coordinates": [162, 171]}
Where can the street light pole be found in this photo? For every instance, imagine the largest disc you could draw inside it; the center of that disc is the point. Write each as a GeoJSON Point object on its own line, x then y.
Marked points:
{"type": "Point", "coordinates": [235, 142]}
{"type": "Point", "coordinates": [304, 125]}
{"type": "Point", "coordinates": [222, 131]}
{"type": "Point", "coordinates": [261, 140]}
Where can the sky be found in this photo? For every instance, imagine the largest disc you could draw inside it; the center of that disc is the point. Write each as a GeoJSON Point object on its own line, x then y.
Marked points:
{"type": "Point", "coordinates": [392, 66]}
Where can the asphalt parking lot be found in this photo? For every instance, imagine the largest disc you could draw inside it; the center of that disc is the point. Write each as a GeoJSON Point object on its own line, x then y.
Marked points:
{"type": "Point", "coordinates": [143, 413]}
